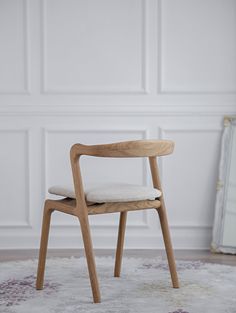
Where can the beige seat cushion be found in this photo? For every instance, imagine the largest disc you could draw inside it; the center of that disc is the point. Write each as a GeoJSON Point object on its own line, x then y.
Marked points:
{"type": "Point", "coordinates": [112, 192]}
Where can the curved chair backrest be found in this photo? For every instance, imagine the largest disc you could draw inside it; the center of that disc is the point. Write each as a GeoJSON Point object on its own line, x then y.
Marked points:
{"type": "Point", "coordinates": [81, 209]}
{"type": "Point", "coordinates": [125, 149]}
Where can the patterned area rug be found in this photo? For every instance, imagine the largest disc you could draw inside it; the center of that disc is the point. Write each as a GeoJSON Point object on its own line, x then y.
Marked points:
{"type": "Point", "coordinates": [144, 287]}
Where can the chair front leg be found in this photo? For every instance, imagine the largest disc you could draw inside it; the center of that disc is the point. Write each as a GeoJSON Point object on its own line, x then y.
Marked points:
{"type": "Point", "coordinates": [85, 229]}
{"type": "Point", "coordinates": [120, 243]}
{"type": "Point", "coordinates": [43, 245]}
{"type": "Point", "coordinates": [168, 245]}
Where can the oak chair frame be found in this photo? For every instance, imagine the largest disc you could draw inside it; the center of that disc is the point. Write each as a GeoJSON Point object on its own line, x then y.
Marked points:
{"type": "Point", "coordinates": [79, 208]}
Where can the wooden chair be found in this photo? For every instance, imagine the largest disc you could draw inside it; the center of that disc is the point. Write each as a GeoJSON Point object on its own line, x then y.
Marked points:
{"type": "Point", "coordinates": [81, 209]}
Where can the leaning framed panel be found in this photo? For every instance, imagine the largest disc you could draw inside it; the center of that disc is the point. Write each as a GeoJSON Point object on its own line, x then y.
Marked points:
{"type": "Point", "coordinates": [224, 230]}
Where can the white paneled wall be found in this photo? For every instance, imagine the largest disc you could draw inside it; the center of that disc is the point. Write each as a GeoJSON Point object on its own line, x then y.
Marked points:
{"type": "Point", "coordinates": [97, 71]}
{"type": "Point", "coordinates": [101, 37]}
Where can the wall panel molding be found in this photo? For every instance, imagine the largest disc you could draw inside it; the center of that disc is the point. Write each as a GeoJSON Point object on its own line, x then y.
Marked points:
{"type": "Point", "coordinates": [140, 82]}
{"type": "Point", "coordinates": [103, 110]}
{"type": "Point", "coordinates": [25, 180]}
{"type": "Point", "coordinates": [189, 128]}
{"type": "Point", "coordinates": [163, 87]}
{"type": "Point", "coordinates": [202, 130]}
{"type": "Point", "coordinates": [26, 55]}
{"type": "Point", "coordinates": [115, 90]}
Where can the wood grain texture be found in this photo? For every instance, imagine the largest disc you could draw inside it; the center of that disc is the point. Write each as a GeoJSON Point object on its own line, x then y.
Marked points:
{"type": "Point", "coordinates": [66, 205]}
{"type": "Point", "coordinates": [43, 245]}
{"type": "Point", "coordinates": [137, 148]}
{"type": "Point", "coordinates": [88, 247]}
{"type": "Point", "coordinates": [164, 223]}
{"type": "Point", "coordinates": [114, 207]}
{"type": "Point", "coordinates": [120, 244]}
{"type": "Point", "coordinates": [79, 208]}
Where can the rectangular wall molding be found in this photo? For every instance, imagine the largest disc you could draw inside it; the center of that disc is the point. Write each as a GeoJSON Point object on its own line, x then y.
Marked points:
{"type": "Point", "coordinates": [12, 197]}
{"type": "Point", "coordinates": [48, 88]}
{"type": "Point", "coordinates": [109, 71]}
{"type": "Point", "coordinates": [24, 58]}
{"type": "Point", "coordinates": [193, 64]}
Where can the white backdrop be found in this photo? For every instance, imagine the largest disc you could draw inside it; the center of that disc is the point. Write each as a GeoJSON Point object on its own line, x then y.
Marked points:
{"type": "Point", "coordinates": [97, 71]}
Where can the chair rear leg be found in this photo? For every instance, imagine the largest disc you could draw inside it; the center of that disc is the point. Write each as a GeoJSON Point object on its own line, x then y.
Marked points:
{"type": "Point", "coordinates": [43, 246]}
{"type": "Point", "coordinates": [85, 229]}
{"type": "Point", "coordinates": [120, 244]}
{"type": "Point", "coordinates": [168, 245]}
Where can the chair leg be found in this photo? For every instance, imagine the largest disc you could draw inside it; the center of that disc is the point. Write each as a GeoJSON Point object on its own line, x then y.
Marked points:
{"type": "Point", "coordinates": [169, 250]}
{"type": "Point", "coordinates": [85, 229]}
{"type": "Point", "coordinates": [43, 246]}
{"type": "Point", "coordinates": [120, 243]}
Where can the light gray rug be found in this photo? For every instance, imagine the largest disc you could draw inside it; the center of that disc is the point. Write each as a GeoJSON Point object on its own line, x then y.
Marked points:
{"type": "Point", "coordinates": [143, 287]}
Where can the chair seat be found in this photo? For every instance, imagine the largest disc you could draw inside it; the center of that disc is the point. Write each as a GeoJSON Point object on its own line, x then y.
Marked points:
{"type": "Point", "coordinates": [112, 192]}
